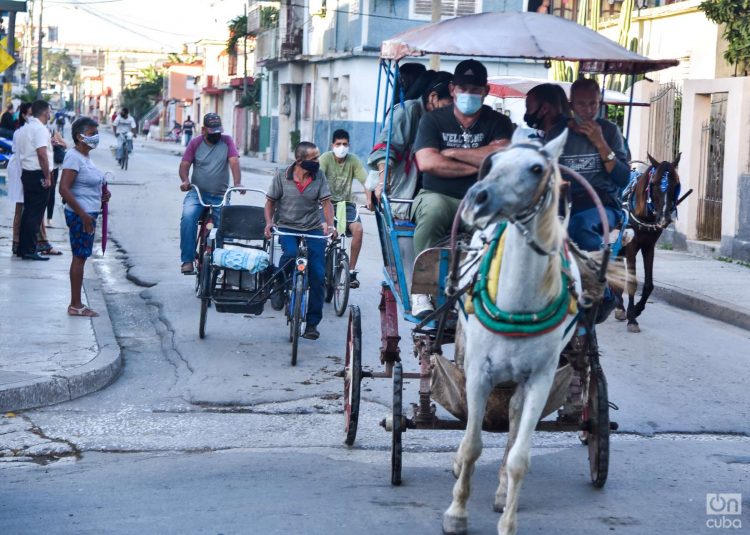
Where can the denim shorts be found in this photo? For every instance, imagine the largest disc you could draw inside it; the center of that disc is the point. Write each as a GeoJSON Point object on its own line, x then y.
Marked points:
{"type": "Point", "coordinates": [81, 242]}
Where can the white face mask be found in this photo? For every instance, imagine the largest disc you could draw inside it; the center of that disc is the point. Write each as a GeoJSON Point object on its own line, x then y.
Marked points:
{"type": "Point", "coordinates": [340, 151]}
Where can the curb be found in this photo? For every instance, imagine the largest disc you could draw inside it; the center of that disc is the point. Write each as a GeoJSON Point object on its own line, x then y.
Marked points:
{"type": "Point", "coordinates": [101, 371]}
{"type": "Point", "coordinates": [703, 305]}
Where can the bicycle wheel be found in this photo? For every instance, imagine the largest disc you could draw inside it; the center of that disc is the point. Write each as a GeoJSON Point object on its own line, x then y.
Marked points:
{"type": "Point", "coordinates": [330, 281]}
{"type": "Point", "coordinates": [200, 249]}
{"type": "Point", "coordinates": [125, 161]}
{"type": "Point", "coordinates": [204, 287]}
{"type": "Point", "coordinates": [296, 324]}
{"type": "Point", "coordinates": [342, 281]}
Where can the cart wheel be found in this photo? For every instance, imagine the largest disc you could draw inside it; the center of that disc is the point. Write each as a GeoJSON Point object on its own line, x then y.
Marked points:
{"type": "Point", "coordinates": [204, 287]}
{"type": "Point", "coordinates": [598, 427]}
{"type": "Point", "coordinates": [330, 281]}
{"type": "Point", "coordinates": [296, 323]}
{"type": "Point", "coordinates": [341, 286]}
{"type": "Point", "coordinates": [352, 374]}
{"type": "Point", "coordinates": [397, 426]}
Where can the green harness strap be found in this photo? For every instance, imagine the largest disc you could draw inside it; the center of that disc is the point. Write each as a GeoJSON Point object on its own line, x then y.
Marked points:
{"type": "Point", "coordinates": [517, 323]}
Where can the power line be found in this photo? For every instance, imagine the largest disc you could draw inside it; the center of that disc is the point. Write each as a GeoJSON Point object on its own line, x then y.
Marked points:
{"type": "Point", "coordinates": [114, 23]}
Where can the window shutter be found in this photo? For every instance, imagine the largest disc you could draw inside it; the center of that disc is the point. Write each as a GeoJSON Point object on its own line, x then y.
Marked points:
{"type": "Point", "coordinates": [451, 8]}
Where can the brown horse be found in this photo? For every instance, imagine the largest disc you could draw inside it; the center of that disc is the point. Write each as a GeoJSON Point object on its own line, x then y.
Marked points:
{"type": "Point", "coordinates": [651, 203]}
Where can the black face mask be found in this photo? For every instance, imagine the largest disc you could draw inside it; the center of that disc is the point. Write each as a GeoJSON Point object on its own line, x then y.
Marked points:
{"type": "Point", "coordinates": [310, 166]}
{"type": "Point", "coordinates": [213, 138]}
{"type": "Point", "coordinates": [533, 119]}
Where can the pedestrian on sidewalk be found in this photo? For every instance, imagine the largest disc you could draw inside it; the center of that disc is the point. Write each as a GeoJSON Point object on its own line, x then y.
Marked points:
{"type": "Point", "coordinates": [15, 187]}
{"type": "Point", "coordinates": [7, 123]}
{"type": "Point", "coordinates": [35, 152]}
{"type": "Point", "coordinates": [187, 129]}
{"type": "Point", "coordinates": [58, 156]}
{"type": "Point", "coordinates": [81, 187]}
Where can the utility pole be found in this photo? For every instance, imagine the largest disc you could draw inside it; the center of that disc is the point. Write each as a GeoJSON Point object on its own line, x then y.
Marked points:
{"type": "Point", "coordinates": [437, 15]}
{"type": "Point", "coordinates": [246, 144]}
{"type": "Point", "coordinates": [122, 78]}
{"type": "Point", "coordinates": [39, 54]}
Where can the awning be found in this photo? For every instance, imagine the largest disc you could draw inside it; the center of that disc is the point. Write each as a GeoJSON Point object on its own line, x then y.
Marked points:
{"type": "Point", "coordinates": [521, 35]}
{"type": "Point", "coordinates": [237, 82]}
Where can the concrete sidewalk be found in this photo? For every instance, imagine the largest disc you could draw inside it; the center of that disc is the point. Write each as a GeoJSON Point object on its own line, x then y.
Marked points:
{"type": "Point", "coordinates": [46, 356]}
{"type": "Point", "coordinates": [712, 288]}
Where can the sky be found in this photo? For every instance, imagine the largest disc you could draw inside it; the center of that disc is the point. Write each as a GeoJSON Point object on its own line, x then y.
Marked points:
{"type": "Point", "coordinates": [139, 24]}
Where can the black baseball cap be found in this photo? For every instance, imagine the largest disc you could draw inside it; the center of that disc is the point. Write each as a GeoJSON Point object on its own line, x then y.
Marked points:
{"type": "Point", "coordinates": [212, 123]}
{"type": "Point", "coordinates": [470, 72]}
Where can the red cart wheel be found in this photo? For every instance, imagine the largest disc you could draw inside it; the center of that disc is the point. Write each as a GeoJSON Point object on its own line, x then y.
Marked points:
{"type": "Point", "coordinates": [398, 425]}
{"type": "Point", "coordinates": [352, 374]}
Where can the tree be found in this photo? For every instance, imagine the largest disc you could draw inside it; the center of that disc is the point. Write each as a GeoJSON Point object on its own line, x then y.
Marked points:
{"type": "Point", "coordinates": [735, 16]}
{"type": "Point", "coordinates": [145, 94]}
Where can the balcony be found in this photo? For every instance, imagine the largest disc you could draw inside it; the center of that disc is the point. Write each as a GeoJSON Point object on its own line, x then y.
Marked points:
{"type": "Point", "coordinates": [291, 44]}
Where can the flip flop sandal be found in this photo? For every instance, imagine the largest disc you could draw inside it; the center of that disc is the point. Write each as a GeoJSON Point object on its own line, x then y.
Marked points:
{"type": "Point", "coordinates": [83, 311]}
{"type": "Point", "coordinates": [51, 251]}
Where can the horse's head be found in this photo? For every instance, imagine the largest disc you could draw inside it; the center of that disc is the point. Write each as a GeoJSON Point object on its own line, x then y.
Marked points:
{"type": "Point", "coordinates": [514, 183]}
{"type": "Point", "coordinates": [658, 192]}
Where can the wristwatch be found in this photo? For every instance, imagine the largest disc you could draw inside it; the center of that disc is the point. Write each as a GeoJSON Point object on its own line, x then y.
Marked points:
{"type": "Point", "coordinates": [610, 157]}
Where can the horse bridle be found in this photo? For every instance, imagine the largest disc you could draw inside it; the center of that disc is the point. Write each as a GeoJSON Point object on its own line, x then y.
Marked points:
{"type": "Point", "coordinates": [654, 227]}
{"type": "Point", "coordinates": [542, 198]}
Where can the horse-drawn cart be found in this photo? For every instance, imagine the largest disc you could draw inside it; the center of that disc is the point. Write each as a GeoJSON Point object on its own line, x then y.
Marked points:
{"type": "Point", "coordinates": [440, 271]}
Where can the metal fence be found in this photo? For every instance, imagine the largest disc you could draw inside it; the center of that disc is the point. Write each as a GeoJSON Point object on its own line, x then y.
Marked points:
{"type": "Point", "coordinates": [711, 178]}
{"type": "Point", "coordinates": [664, 122]}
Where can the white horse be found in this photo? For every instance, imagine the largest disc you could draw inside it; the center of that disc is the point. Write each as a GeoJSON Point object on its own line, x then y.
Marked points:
{"type": "Point", "coordinates": [519, 185]}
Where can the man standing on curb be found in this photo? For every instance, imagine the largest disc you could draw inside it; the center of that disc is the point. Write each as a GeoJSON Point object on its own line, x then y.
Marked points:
{"type": "Point", "coordinates": [35, 153]}
{"type": "Point", "coordinates": [450, 146]}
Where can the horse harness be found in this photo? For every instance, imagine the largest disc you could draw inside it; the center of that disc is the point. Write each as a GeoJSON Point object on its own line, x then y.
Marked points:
{"type": "Point", "coordinates": [630, 200]}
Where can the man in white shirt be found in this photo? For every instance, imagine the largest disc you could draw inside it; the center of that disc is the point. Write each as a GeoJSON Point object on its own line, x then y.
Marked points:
{"type": "Point", "coordinates": [124, 125]}
{"type": "Point", "coordinates": [35, 153]}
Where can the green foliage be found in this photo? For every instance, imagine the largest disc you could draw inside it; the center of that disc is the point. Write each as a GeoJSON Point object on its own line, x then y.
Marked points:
{"type": "Point", "coordinates": [735, 16]}
{"type": "Point", "coordinates": [143, 96]}
{"type": "Point", "coordinates": [28, 95]}
{"type": "Point", "coordinates": [294, 138]}
{"type": "Point", "coordinates": [252, 98]}
{"type": "Point", "coordinates": [269, 18]}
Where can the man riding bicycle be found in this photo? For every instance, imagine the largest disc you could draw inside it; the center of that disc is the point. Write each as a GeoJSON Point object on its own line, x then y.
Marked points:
{"type": "Point", "coordinates": [212, 155]}
{"type": "Point", "coordinates": [340, 169]}
{"type": "Point", "coordinates": [292, 205]}
{"type": "Point", "coordinates": [124, 125]}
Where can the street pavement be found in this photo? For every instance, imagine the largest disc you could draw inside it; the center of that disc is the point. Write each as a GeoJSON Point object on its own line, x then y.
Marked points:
{"type": "Point", "coordinates": [222, 435]}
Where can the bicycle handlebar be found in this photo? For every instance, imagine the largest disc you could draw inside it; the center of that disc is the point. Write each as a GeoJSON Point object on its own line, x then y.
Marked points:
{"type": "Point", "coordinates": [300, 235]}
{"type": "Point", "coordinates": [227, 193]}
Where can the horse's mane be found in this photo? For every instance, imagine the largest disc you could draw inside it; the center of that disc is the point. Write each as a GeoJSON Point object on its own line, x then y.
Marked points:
{"type": "Point", "coordinates": [551, 233]}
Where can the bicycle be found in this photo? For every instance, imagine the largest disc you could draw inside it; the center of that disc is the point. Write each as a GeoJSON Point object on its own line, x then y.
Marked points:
{"type": "Point", "coordinates": [337, 275]}
{"type": "Point", "coordinates": [203, 248]}
{"type": "Point", "coordinates": [124, 150]}
{"type": "Point", "coordinates": [296, 305]}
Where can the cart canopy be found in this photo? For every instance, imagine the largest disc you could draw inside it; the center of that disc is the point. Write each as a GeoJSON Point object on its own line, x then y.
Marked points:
{"type": "Point", "coordinates": [533, 36]}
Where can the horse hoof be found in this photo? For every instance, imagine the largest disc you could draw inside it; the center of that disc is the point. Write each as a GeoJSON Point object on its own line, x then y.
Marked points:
{"type": "Point", "coordinates": [633, 328]}
{"type": "Point", "coordinates": [454, 525]}
{"type": "Point", "coordinates": [620, 315]}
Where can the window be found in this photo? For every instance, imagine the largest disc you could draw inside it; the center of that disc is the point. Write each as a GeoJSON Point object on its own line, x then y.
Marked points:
{"type": "Point", "coordinates": [353, 9]}
{"type": "Point", "coordinates": [232, 64]}
{"type": "Point", "coordinates": [422, 9]}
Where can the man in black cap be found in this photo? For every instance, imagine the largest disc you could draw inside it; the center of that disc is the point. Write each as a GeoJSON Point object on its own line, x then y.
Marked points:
{"type": "Point", "coordinates": [450, 146]}
{"type": "Point", "coordinates": [212, 155]}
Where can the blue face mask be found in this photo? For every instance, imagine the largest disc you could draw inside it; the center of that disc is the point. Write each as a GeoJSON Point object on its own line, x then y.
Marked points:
{"type": "Point", "coordinates": [468, 103]}
{"type": "Point", "coordinates": [91, 141]}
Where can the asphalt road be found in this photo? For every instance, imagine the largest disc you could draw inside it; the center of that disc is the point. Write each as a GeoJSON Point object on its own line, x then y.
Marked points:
{"type": "Point", "coordinates": [222, 435]}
